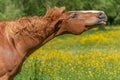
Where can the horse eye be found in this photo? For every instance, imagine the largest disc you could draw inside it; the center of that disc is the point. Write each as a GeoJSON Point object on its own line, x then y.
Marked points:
{"type": "Point", "coordinates": [75, 16]}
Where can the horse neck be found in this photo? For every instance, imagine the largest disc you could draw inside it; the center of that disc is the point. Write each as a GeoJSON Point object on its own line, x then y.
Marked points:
{"type": "Point", "coordinates": [30, 36]}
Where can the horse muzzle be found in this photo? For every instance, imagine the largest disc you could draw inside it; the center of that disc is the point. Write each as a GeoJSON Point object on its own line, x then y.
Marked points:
{"type": "Point", "coordinates": [102, 18]}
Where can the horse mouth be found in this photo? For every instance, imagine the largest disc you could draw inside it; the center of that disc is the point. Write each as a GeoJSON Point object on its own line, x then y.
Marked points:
{"type": "Point", "coordinates": [102, 22]}
{"type": "Point", "coordinates": [98, 22]}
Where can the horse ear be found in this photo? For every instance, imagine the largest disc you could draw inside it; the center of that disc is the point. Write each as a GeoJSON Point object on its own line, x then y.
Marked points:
{"type": "Point", "coordinates": [54, 13]}
{"type": "Point", "coordinates": [55, 16]}
{"type": "Point", "coordinates": [48, 10]}
{"type": "Point", "coordinates": [61, 10]}
{"type": "Point", "coordinates": [58, 12]}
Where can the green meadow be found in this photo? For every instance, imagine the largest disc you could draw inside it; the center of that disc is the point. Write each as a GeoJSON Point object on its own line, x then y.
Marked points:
{"type": "Point", "coordinates": [93, 55]}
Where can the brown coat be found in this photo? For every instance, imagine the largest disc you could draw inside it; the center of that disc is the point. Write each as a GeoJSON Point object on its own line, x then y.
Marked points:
{"type": "Point", "coordinates": [20, 37]}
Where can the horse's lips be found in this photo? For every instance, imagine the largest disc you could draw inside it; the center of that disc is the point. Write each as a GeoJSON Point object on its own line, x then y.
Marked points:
{"type": "Point", "coordinates": [103, 22]}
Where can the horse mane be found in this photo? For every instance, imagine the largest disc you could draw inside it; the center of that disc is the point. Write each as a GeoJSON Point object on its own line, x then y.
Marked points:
{"type": "Point", "coordinates": [35, 25]}
{"type": "Point", "coordinates": [19, 25]}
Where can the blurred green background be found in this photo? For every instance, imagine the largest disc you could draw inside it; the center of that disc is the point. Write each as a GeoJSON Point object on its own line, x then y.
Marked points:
{"type": "Point", "coordinates": [10, 9]}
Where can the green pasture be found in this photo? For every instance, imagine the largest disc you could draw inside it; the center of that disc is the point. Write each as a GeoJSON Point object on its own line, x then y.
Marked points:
{"type": "Point", "coordinates": [93, 55]}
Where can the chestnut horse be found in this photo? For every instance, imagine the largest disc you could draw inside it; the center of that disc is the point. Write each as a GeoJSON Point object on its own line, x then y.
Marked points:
{"type": "Point", "coordinates": [20, 37]}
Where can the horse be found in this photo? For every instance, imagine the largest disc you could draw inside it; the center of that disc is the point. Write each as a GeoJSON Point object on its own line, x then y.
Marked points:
{"type": "Point", "coordinates": [20, 37]}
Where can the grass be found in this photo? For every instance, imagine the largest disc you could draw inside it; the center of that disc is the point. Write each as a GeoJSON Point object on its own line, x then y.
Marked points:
{"type": "Point", "coordinates": [93, 55]}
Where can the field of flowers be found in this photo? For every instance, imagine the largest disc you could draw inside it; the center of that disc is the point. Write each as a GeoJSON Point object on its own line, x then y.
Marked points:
{"type": "Point", "coordinates": [93, 55]}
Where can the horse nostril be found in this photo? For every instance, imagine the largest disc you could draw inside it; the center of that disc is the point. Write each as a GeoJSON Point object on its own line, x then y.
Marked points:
{"type": "Point", "coordinates": [101, 15]}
